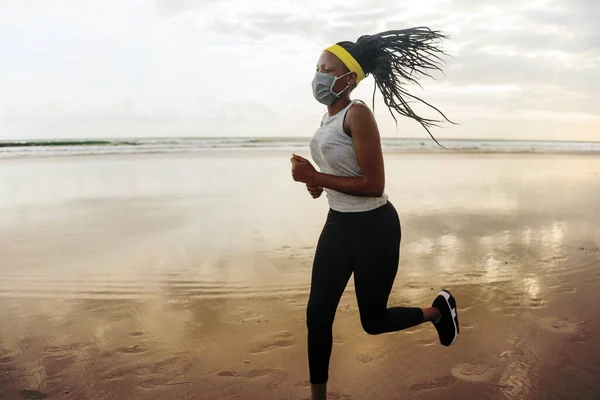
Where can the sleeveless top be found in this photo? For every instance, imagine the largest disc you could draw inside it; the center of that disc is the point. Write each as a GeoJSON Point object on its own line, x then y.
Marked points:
{"type": "Point", "coordinates": [333, 152]}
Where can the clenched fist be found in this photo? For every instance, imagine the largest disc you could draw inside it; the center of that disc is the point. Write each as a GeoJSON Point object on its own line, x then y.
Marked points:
{"type": "Point", "coordinates": [302, 170]}
{"type": "Point", "coordinates": [315, 191]}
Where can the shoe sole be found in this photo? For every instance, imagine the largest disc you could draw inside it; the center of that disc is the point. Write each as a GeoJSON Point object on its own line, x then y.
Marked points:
{"type": "Point", "coordinates": [446, 295]}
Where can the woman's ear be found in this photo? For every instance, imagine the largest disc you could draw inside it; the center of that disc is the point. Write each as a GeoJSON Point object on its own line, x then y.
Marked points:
{"type": "Point", "coordinates": [351, 79]}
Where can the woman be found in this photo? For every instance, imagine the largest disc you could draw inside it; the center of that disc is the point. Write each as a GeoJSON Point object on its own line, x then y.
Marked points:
{"type": "Point", "coordinates": [362, 231]}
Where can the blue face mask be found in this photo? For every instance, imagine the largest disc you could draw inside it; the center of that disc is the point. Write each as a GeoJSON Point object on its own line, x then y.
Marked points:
{"type": "Point", "coordinates": [322, 86]}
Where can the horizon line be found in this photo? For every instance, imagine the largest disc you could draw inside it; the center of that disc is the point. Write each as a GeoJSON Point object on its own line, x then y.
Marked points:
{"type": "Point", "coordinates": [425, 139]}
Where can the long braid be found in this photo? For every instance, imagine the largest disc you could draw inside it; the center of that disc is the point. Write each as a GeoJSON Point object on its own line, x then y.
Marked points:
{"type": "Point", "coordinates": [396, 58]}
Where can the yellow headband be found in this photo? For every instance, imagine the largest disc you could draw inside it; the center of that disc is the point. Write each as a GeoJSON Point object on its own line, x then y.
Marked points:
{"type": "Point", "coordinates": [348, 60]}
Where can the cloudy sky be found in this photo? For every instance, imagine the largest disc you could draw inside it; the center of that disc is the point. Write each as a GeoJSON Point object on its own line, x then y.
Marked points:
{"type": "Point", "coordinates": [120, 68]}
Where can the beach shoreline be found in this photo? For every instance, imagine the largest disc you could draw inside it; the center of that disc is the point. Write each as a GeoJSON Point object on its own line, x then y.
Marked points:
{"type": "Point", "coordinates": [206, 145]}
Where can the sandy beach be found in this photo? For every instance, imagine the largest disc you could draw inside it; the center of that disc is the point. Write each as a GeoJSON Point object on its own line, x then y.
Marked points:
{"type": "Point", "coordinates": [187, 276]}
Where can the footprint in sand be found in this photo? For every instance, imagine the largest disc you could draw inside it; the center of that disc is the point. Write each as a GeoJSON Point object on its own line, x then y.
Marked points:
{"type": "Point", "coordinates": [242, 316]}
{"type": "Point", "coordinates": [6, 356]}
{"type": "Point", "coordinates": [147, 373]}
{"type": "Point", "coordinates": [338, 396]}
{"type": "Point", "coordinates": [512, 299]}
{"type": "Point", "coordinates": [467, 325]}
{"type": "Point", "coordinates": [508, 354]}
{"type": "Point", "coordinates": [257, 373]}
{"type": "Point", "coordinates": [136, 334]}
{"type": "Point", "coordinates": [474, 274]}
{"type": "Point", "coordinates": [364, 358]}
{"type": "Point", "coordinates": [32, 394]}
{"type": "Point", "coordinates": [7, 363]}
{"type": "Point", "coordinates": [338, 339]}
{"type": "Point", "coordinates": [537, 302]}
{"type": "Point", "coordinates": [133, 349]}
{"type": "Point", "coordinates": [4, 360]}
{"type": "Point", "coordinates": [58, 362]}
{"type": "Point", "coordinates": [347, 308]}
{"type": "Point", "coordinates": [304, 394]}
{"type": "Point", "coordinates": [275, 376]}
{"type": "Point", "coordinates": [426, 342]}
{"type": "Point", "coordinates": [442, 381]}
{"type": "Point", "coordinates": [473, 372]}
{"type": "Point", "coordinates": [280, 340]}
{"type": "Point", "coordinates": [553, 259]}
{"type": "Point", "coordinates": [567, 290]}
{"type": "Point", "coordinates": [416, 285]}
{"type": "Point", "coordinates": [559, 325]}
{"type": "Point", "coordinates": [228, 373]}
{"type": "Point", "coordinates": [111, 375]}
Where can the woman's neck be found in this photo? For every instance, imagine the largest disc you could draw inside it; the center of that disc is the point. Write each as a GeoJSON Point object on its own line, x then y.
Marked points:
{"type": "Point", "coordinates": [338, 106]}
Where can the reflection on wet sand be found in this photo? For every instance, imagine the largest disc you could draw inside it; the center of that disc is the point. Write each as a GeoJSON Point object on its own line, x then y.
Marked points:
{"type": "Point", "coordinates": [144, 308]}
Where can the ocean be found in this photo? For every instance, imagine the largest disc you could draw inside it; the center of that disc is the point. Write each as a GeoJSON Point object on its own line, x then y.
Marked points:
{"type": "Point", "coordinates": [17, 148]}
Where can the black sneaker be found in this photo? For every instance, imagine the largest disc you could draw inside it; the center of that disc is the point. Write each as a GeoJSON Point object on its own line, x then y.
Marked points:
{"type": "Point", "coordinates": [447, 325]}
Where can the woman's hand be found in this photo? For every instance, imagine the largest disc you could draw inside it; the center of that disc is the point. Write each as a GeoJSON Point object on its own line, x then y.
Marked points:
{"type": "Point", "coordinates": [303, 170]}
{"type": "Point", "coordinates": [315, 191]}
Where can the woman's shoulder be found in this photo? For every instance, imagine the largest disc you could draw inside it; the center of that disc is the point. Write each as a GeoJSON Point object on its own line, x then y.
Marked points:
{"type": "Point", "coordinates": [359, 108]}
{"type": "Point", "coordinates": [357, 116]}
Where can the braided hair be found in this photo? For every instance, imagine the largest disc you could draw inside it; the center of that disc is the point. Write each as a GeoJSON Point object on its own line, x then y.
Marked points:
{"type": "Point", "coordinates": [395, 58]}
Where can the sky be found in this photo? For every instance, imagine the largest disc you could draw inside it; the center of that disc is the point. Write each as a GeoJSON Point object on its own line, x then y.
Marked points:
{"type": "Point", "coordinates": [519, 69]}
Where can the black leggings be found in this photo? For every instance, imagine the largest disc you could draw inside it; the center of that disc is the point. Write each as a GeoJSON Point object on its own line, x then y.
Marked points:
{"type": "Point", "coordinates": [368, 244]}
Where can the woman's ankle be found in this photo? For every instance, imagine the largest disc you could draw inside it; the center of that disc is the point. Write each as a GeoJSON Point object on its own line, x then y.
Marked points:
{"type": "Point", "coordinates": [431, 314]}
{"type": "Point", "coordinates": [318, 391]}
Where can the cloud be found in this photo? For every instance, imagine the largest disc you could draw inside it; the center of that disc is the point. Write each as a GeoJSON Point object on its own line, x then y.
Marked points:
{"type": "Point", "coordinates": [225, 66]}
{"type": "Point", "coordinates": [171, 8]}
{"type": "Point", "coordinates": [308, 26]}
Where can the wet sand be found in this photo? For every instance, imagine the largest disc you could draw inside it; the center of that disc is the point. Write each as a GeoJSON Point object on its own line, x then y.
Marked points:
{"type": "Point", "coordinates": [186, 277]}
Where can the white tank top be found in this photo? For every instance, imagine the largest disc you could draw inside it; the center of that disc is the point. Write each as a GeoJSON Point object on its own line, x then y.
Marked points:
{"type": "Point", "coordinates": [333, 152]}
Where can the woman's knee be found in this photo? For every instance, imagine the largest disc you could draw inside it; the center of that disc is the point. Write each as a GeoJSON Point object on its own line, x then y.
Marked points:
{"type": "Point", "coordinates": [373, 326]}
{"type": "Point", "coordinates": [317, 320]}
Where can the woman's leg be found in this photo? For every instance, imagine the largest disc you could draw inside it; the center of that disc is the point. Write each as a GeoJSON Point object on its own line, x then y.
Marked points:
{"type": "Point", "coordinates": [373, 284]}
{"type": "Point", "coordinates": [376, 263]}
{"type": "Point", "coordinates": [330, 274]}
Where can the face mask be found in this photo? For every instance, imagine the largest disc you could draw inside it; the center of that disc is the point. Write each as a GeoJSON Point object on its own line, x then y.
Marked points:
{"type": "Point", "coordinates": [322, 86]}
